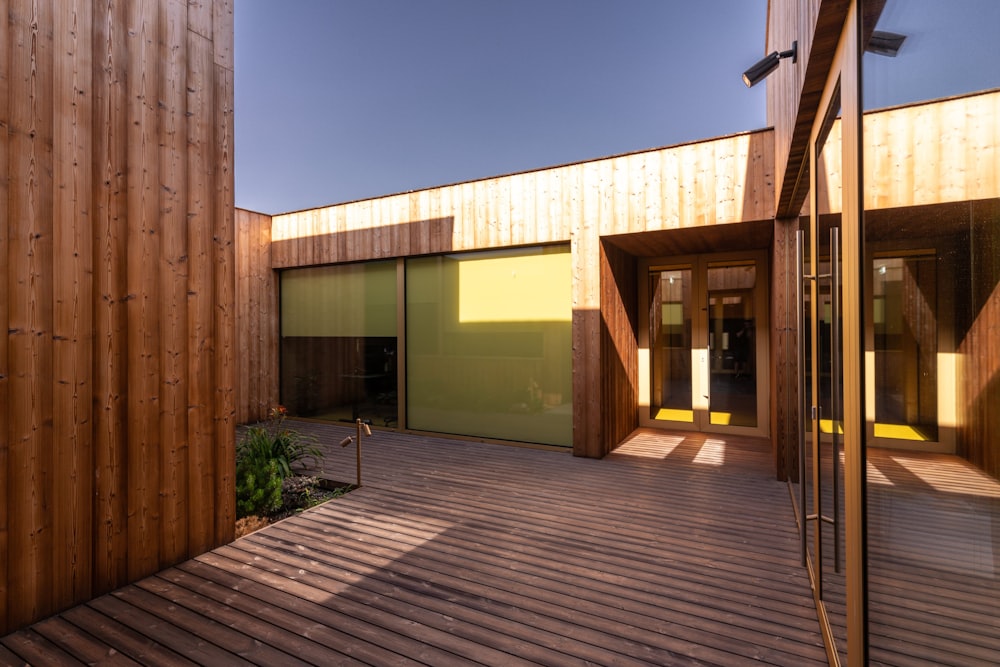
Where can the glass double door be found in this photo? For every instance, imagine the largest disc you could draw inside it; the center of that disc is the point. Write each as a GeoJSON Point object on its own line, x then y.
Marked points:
{"type": "Point", "coordinates": [705, 335]}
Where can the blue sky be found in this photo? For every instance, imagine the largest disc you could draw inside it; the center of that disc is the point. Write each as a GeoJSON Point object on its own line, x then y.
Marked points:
{"type": "Point", "coordinates": [338, 100]}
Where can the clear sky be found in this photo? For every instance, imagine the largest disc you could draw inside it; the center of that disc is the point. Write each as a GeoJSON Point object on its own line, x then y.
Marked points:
{"type": "Point", "coordinates": [338, 100]}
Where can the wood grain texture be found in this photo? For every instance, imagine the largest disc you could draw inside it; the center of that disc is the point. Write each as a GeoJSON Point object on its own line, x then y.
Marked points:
{"type": "Point", "coordinates": [73, 310]}
{"type": "Point", "coordinates": [224, 304]}
{"type": "Point", "coordinates": [201, 270]}
{"type": "Point", "coordinates": [795, 89]}
{"type": "Point", "coordinates": [619, 346]}
{"type": "Point", "coordinates": [29, 327]}
{"type": "Point", "coordinates": [726, 180]}
{"type": "Point", "coordinates": [110, 206]}
{"type": "Point", "coordinates": [979, 430]}
{"type": "Point", "coordinates": [257, 312]}
{"type": "Point", "coordinates": [4, 290]}
{"type": "Point", "coordinates": [95, 229]}
{"type": "Point", "coordinates": [142, 280]}
{"type": "Point", "coordinates": [173, 274]}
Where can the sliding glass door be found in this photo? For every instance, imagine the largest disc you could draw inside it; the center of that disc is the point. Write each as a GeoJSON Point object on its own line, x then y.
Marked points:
{"type": "Point", "coordinates": [932, 331]}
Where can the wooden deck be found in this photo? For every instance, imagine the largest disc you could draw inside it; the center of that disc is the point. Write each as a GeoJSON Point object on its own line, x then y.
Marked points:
{"type": "Point", "coordinates": [674, 550]}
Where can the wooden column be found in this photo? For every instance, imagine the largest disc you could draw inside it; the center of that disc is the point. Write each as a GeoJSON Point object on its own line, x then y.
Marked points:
{"type": "Point", "coordinates": [99, 230]}
{"type": "Point", "coordinates": [784, 338]}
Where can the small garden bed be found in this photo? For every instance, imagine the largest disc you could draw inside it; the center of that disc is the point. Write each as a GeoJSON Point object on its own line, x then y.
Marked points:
{"type": "Point", "coordinates": [268, 488]}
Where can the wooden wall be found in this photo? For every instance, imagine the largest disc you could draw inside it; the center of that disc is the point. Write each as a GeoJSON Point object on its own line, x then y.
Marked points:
{"type": "Point", "coordinates": [785, 399]}
{"type": "Point", "coordinates": [794, 89]}
{"type": "Point", "coordinates": [691, 185]}
{"type": "Point", "coordinates": [955, 159]}
{"type": "Point", "coordinates": [694, 185]}
{"type": "Point", "coordinates": [619, 346]}
{"type": "Point", "coordinates": [117, 279]}
{"type": "Point", "coordinates": [979, 348]}
{"type": "Point", "coordinates": [930, 153]}
{"type": "Point", "coordinates": [257, 365]}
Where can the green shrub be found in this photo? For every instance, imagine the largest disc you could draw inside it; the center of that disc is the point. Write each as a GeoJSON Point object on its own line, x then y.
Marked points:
{"type": "Point", "coordinates": [265, 456]}
{"type": "Point", "coordinates": [258, 487]}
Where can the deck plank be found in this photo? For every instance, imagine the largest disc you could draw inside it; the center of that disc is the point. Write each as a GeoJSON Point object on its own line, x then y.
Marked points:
{"type": "Point", "coordinates": [80, 644]}
{"type": "Point", "coordinates": [676, 549]}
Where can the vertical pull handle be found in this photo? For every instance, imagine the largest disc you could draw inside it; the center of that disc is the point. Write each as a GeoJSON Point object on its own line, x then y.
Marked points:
{"type": "Point", "coordinates": [835, 384]}
{"type": "Point", "coordinates": [801, 352]}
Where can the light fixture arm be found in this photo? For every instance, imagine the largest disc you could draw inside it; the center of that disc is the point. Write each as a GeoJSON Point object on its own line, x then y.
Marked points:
{"type": "Point", "coordinates": [792, 53]}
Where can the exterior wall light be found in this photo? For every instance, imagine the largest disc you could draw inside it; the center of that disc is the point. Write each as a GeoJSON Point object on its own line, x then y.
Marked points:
{"type": "Point", "coordinates": [768, 64]}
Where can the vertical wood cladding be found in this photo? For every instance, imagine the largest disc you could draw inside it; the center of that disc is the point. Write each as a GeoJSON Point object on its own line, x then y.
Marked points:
{"type": "Point", "coordinates": [619, 345]}
{"type": "Point", "coordinates": [257, 312]}
{"type": "Point", "coordinates": [794, 91]}
{"type": "Point", "coordinates": [979, 431]}
{"type": "Point", "coordinates": [784, 404]}
{"type": "Point", "coordinates": [118, 282]}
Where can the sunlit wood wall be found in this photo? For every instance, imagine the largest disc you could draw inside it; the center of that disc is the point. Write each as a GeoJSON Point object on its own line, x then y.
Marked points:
{"type": "Point", "coordinates": [702, 184]}
{"type": "Point", "coordinates": [117, 280]}
{"type": "Point", "coordinates": [955, 160]}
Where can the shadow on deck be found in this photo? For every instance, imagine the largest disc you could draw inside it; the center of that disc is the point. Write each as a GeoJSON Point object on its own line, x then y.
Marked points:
{"type": "Point", "coordinates": [674, 550]}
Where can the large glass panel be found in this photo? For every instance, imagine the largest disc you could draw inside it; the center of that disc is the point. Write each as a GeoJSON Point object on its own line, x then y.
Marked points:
{"type": "Point", "coordinates": [932, 308]}
{"type": "Point", "coordinates": [824, 352]}
{"type": "Point", "coordinates": [670, 344]}
{"type": "Point", "coordinates": [338, 342]}
{"type": "Point", "coordinates": [732, 344]}
{"type": "Point", "coordinates": [489, 347]}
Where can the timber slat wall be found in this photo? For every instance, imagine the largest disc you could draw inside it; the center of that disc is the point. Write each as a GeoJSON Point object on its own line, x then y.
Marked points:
{"type": "Point", "coordinates": [257, 311]}
{"type": "Point", "coordinates": [619, 343]}
{"type": "Point", "coordinates": [980, 393]}
{"type": "Point", "coordinates": [118, 280]}
{"type": "Point", "coordinates": [795, 89]}
{"type": "Point", "coordinates": [714, 182]}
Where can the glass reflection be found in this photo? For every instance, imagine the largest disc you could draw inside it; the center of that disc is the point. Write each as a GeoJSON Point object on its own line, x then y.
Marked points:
{"type": "Point", "coordinates": [489, 348]}
{"type": "Point", "coordinates": [338, 342]}
{"type": "Point", "coordinates": [932, 234]}
{"type": "Point", "coordinates": [670, 343]}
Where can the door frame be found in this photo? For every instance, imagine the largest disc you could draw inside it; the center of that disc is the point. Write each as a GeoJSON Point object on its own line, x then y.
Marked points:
{"type": "Point", "coordinates": [699, 265]}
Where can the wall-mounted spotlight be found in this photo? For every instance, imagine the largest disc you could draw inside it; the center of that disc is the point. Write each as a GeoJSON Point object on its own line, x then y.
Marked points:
{"type": "Point", "coordinates": [768, 64]}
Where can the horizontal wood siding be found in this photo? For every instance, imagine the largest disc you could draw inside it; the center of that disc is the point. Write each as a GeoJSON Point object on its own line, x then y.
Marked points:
{"type": "Point", "coordinates": [257, 365]}
{"type": "Point", "coordinates": [101, 212]}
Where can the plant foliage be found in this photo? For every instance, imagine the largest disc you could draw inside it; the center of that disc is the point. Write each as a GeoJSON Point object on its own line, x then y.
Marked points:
{"type": "Point", "coordinates": [265, 457]}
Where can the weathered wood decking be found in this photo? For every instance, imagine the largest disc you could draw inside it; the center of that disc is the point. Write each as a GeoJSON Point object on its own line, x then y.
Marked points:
{"type": "Point", "coordinates": [674, 550]}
